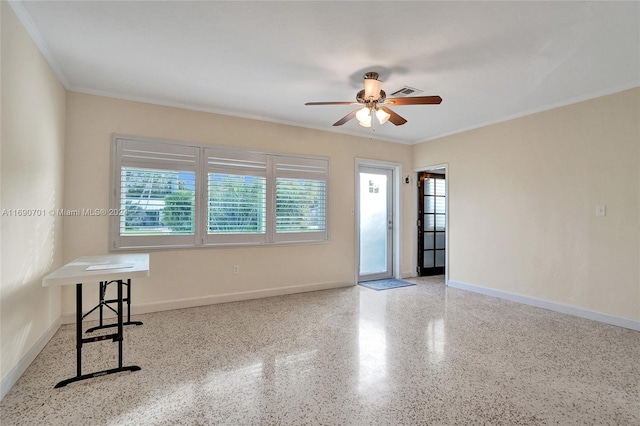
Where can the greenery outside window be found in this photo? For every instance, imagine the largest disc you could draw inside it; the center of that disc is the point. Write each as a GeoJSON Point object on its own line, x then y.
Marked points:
{"type": "Point", "coordinates": [172, 195]}
{"type": "Point", "coordinates": [157, 202]}
{"type": "Point", "coordinates": [301, 195]}
{"type": "Point", "coordinates": [236, 196]}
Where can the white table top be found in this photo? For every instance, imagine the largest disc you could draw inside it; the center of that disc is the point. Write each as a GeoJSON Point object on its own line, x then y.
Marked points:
{"type": "Point", "coordinates": [101, 268]}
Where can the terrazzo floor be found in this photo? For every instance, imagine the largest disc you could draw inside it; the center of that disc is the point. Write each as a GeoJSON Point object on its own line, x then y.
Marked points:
{"type": "Point", "coordinates": [420, 355]}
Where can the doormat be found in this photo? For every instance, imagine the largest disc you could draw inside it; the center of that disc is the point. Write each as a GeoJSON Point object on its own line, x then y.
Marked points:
{"type": "Point", "coordinates": [385, 284]}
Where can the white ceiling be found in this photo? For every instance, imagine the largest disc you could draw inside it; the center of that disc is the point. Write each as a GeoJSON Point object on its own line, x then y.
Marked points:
{"type": "Point", "coordinates": [489, 61]}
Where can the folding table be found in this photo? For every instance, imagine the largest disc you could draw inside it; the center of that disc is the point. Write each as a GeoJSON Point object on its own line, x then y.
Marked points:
{"type": "Point", "coordinates": [100, 269]}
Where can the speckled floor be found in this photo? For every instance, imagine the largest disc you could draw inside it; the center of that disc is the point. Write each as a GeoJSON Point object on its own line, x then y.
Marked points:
{"type": "Point", "coordinates": [416, 355]}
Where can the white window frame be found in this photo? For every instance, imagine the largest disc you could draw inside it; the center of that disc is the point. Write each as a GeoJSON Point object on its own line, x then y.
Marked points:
{"type": "Point", "coordinates": [299, 168]}
{"type": "Point", "coordinates": [229, 161]}
{"type": "Point", "coordinates": [141, 153]}
{"type": "Point", "coordinates": [226, 160]}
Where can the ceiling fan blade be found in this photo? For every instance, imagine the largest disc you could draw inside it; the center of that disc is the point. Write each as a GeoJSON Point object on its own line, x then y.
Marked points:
{"type": "Point", "coordinates": [395, 118]}
{"type": "Point", "coordinates": [346, 118]}
{"type": "Point", "coordinates": [416, 100]}
{"type": "Point", "coordinates": [331, 103]}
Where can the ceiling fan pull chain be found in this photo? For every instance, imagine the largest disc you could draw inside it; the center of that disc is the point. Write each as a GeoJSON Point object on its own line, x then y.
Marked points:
{"type": "Point", "coordinates": [372, 112]}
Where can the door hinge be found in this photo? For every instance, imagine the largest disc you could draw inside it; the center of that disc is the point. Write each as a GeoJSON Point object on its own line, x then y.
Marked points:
{"type": "Point", "coordinates": [419, 223]}
{"type": "Point", "coordinates": [418, 183]}
{"type": "Point", "coordinates": [418, 270]}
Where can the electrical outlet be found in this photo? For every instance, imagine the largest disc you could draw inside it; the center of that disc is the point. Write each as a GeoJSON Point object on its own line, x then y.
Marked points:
{"type": "Point", "coordinates": [600, 211]}
{"type": "Point", "coordinates": [236, 269]}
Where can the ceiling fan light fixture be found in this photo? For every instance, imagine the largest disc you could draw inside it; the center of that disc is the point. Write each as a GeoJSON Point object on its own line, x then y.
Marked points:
{"type": "Point", "coordinates": [382, 116]}
{"type": "Point", "coordinates": [364, 116]}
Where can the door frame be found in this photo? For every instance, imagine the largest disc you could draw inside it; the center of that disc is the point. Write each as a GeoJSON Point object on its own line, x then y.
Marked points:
{"type": "Point", "coordinates": [395, 212]}
{"type": "Point", "coordinates": [432, 168]}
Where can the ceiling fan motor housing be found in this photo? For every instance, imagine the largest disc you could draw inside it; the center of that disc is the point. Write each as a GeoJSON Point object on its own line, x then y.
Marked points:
{"type": "Point", "coordinates": [360, 97]}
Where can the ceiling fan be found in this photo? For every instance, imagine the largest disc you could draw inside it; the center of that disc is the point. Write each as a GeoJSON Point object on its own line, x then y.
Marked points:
{"type": "Point", "coordinates": [374, 103]}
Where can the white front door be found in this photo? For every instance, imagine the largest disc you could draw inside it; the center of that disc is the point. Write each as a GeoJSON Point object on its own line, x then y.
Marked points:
{"type": "Point", "coordinates": [375, 223]}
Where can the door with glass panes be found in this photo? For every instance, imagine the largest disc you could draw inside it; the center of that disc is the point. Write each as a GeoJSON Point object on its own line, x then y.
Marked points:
{"type": "Point", "coordinates": [431, 224]}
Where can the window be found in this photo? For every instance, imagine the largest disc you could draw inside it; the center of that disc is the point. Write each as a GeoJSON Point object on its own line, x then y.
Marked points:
{"type": "Point", "coordinates": [300, 198]}
{"type": "Point", "coordinates": [157, 202]}
{"type": "Point", "coordinates": [178, 195]}
{"type": "Point", "coordinates": [154, 194]}
{"type": "Point", "coordinates": [236, 196]}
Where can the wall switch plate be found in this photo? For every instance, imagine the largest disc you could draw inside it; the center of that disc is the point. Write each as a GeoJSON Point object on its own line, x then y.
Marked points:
{"type": "Point", "coordinates": [600, 211]}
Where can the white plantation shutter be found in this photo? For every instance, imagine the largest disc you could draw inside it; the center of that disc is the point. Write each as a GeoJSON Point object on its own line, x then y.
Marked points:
{"type": "Point", "coordinates": [155, 194]}
{"type": "Point", "coordinates": [185, 195]}
{"type": "Point", "coordinates": [236, 196]}
{"type": "Point", "coordinates": [301, 198]}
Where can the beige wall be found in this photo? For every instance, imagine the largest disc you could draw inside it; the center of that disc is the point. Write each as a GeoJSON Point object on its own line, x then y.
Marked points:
{"type": "Point", "coordinates": [32, 153]}
{"type": "Point", "coordinates": [205, 272]}
{"type": "Point", "coordinates": [522, 198]}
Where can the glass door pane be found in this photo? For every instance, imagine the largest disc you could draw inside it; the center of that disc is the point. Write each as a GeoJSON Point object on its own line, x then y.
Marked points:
{"type": "Point", "coordinates": [432, 206]}
{"type": "Point", "coordinates": [375, 224]}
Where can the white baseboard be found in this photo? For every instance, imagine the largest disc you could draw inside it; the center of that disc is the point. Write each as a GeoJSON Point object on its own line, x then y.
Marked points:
{"type": "Point", "coordinates": [145, 308]}
{"type": "Point", "coordinates": [552, 306]}
{"type": "Point", "coordinates": [12, 377]}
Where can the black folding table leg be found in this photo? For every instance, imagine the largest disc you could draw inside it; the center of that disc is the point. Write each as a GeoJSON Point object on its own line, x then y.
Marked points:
{"type": "Point", "coordinates": [103, 290]}
{"type": "Point", "coordinates": [78, 338]}
{"type": "Point", "coordinates": [129, 322]}
{"type": "Point", "coordinates": [79, 341]}
{"type": "Point", "coordinates": [120, 330]}
{"type": "Point", "coordinates": [129, 300]}
{"type": "Point", "coordinates": [78, 330]}
{"type": "Point", "coordinates": [105, 302]}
